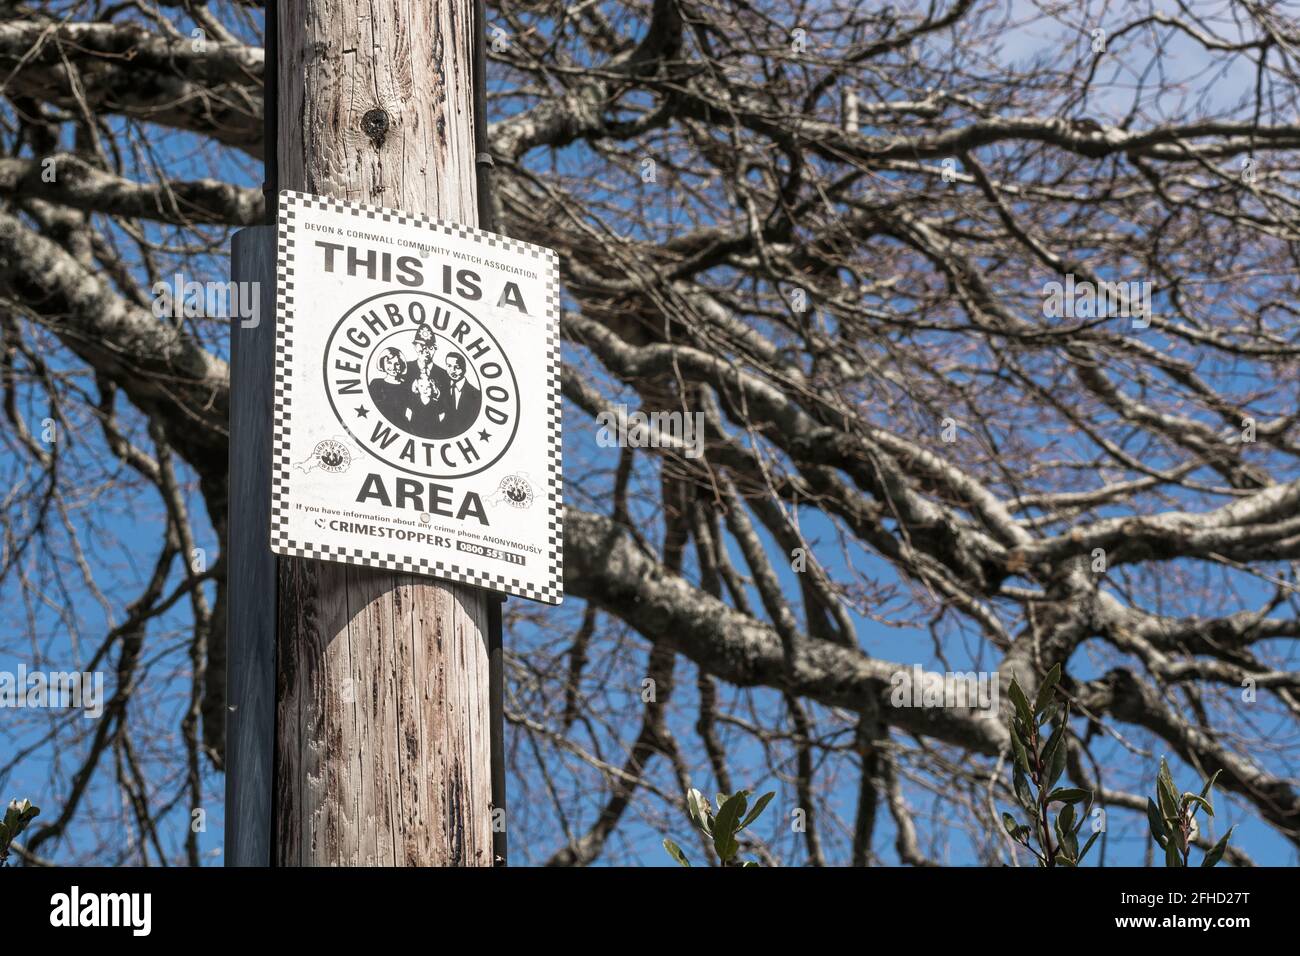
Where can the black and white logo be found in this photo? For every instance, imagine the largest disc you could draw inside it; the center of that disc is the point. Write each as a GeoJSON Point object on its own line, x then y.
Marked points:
{"type": "Point", "coordinates": [422, 385]}
{"type": "Point", "coordinates": [517, 491]}
{"type": "Point", "coordinates": [332, 455]}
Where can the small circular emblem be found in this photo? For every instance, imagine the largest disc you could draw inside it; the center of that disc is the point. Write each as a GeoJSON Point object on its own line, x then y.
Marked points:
{"type": "Point", "coordinates": [514, 490]}
{"type": "Point", "coordinates": [332, 456]}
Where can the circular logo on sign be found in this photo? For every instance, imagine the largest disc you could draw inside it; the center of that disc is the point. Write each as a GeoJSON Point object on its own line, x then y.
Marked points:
{"type": "Point", "coordinates": [514, 490]}
{"type": "Point", "coordinates": [332, 456]}
{"type": "Point", "coordinates": [422, 385]}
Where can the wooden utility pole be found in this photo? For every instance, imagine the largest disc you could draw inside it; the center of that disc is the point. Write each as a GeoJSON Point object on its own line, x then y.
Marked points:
{"type": "Point", "coordinates": [382, 727]}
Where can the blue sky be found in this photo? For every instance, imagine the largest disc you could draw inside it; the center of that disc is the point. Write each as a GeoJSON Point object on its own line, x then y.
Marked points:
{"type": "Point", "coordinates": [122, 532]}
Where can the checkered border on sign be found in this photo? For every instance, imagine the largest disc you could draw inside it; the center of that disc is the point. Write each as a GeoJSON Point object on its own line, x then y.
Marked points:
{"type": "Point", "coordinates": [550, 592]}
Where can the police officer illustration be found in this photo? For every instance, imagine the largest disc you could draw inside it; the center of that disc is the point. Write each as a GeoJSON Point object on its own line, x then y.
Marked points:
{"type": "Point", "coordinates": [430, 388]}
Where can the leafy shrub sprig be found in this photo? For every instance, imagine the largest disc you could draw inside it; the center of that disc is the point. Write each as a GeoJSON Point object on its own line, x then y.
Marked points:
{"type": "Point", "coordinates": [18, 814]}
{"type": "Point", "coordinates": [723, 828]}
{"type": "Point", "coordinates": [1039, 763]}
{"type": "Point", "coordinates": [1173, 819]}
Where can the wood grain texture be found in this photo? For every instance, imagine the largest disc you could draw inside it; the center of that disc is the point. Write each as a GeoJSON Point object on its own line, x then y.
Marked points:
{"type": "Point", "coordinates": [383, 731]}
{"type": "Point", "coordinates": [341, 59]}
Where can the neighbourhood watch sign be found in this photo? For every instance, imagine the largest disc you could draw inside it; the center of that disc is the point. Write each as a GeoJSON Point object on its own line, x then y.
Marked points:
{"type": "Point", "coordinates": [417, 418]}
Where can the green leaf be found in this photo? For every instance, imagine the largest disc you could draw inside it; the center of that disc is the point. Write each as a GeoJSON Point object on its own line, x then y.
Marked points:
{"type": "Point", "coordinates": [749, 863]}
{"type": "Point", "coordinates": [1045, 691]}
{"type": "Point", "coordinates": [1023, 793]}
{"type": "Point", "coordinates": [18, 814]}
{"type": "Point", "coordinates": [758, 807]}
{"type": "Point", "coordinates": [1207, 792]}
{"type": "Point", "coordinates": [1068, 795]}
{"type": "Point", "coordinates": [722, 798]}
{"type": "Point", "coordinates": [726, 824]}
{"type": "Point", "coordinates": [1056, 766]}
{"type": "Point", "coordinates": [1071, 845]}
{"type": "Point", "coordinates": [1178, 839]}
{"type": "Point", "coordinates": [726, 847]}
{"type": "Point", "coordinates": [1191, 798]}
{"type": "Point", "coordinates": [1158, 829]}
{"type": "Point", "coordinates": [1215, 853]}
{"type": "Point", "coordinates": [697, 807]}
{"type": "Point", "coordinates": [1054, 741]}
{"type": "Point", "coordinates": [676, 853]}
{"type": "Point", "coordinates": [1018, 831]}
{"type": "Point", "coordinates": [1172, 856]}
{"type": "Point", "coordinates": [1018, 745]}
{"type": "Point", "coordinates": [1166, 793]}
{"type": "Point", "coordinates": [1065, 831]}
{"type": "Point", "coordinates": [1088, 846]}
{"type": "Point", "coordinates": [743, 795]}
{"type": "Point", "coordinates": [1164, 773]}
{"type": "Point", "coordinates": [1021, 703]}
{"type": "Point", "coordinates": [1051, 712]}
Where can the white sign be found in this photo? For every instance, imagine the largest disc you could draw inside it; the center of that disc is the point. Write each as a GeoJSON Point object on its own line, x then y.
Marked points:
{"type": "Point", "coordinates": [417, 399]}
